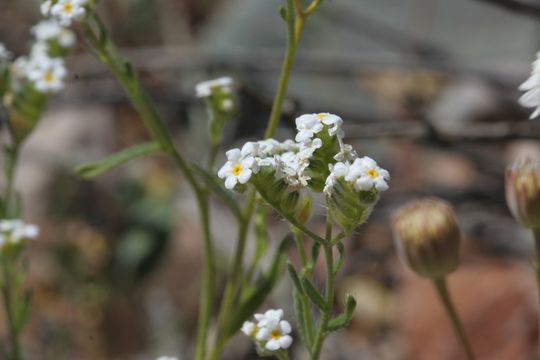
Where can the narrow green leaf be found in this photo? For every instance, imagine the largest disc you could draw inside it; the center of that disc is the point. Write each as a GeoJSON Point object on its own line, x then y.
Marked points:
{"type": "Point", "coordinates": [264, 287]}
{"type": "Point", "coordinates": [94, 169]}
{"type": "Point", "coordinates": [339, 262]}
{"type": "Point", "coordinates": [294, 277]}
{"type": "Point", "coordinates": [216, 185]}
{"type": "Point", "coordinates": [300, 319]}
{"type": "Point", "coordinates": [283, 12]}
{"type": "Point", "coordinates": [313, 294]}
{"type": "Point", "coordinates": [344, 318]}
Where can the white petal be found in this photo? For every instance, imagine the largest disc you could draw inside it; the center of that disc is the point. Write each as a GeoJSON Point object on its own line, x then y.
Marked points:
{"type": "Point", "coordinates": [263, 334]}
{"type": "Point", "coordinates": [234, 155]}
{"type": "Point", "coordinates": [285, 341]}
{"type": "Point", "coordinates": [272, 345]}
{"type": "Point", "coordinates": [244, 176]}
{"type": "Point", "coordinates": [285, 327]}
{"type": "Point", "coordinates": [225, 170]}
{"type": "Point", "coordinates": [230, 182]}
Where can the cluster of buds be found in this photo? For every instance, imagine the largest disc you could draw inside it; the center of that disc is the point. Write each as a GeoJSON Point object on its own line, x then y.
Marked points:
{"type": "Point", "coordinates": [523, 192]}
{"type": "Point", "coordinates": [270, 332]}
{"type": "Point", "coordinates": [427, 237]}
{"type": "Point", "coordinates": [318, 160]}
{"type": "Point", "coordinates": [13, 234]}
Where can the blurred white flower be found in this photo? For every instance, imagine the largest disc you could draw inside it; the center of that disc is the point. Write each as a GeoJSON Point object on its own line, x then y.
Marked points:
{"type": "Point", "coordinates": [531, 86]}
{"type": "Point", "coordinates": [15, 231]}
{"type": "Point", "coordinates": [237, 169]}
{"type": "Point", "coordinates": [250, 329]}
{"type": "Point", "coordinates": [48, 75]}
{"type": "Point", "coordinates": [68, 10]}
{"type": "Point", "coordinates": [45, 8]}
{"type": "Point", "coordinates": [5, 54]}
{"type": "Point", "coordinates": [167, 358]}
{"type": "Point", "coordinates": [270, 331]}
{"type": "Point", "coordinates": [50, 29]}
{"type": "Point", "coordinates": [206, 88]}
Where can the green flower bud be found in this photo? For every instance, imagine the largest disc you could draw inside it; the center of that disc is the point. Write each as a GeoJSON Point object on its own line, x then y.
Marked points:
{"type": "Point", "coordinates": [523, 192]}
{"type": "Point", "coordinates": [304, 210]}
{"type": "Point", "coordinates": [427, 237]}
{"type": "Point", "coordinates": [25, 110]}
{"type": "Point", "coordinates": [350, 208]}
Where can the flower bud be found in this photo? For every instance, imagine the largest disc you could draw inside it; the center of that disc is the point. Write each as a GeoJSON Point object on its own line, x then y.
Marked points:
{"type": "Point", "coordinates": [523, 192]}
{"type": "Point", "coordinates": [350, 208]}
{"type": "Point", "coordinates": [427, 237]}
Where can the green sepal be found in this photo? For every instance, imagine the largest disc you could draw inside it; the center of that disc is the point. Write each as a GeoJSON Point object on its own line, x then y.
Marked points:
{"type": "Point", "coordinates": [295, 278]}
{"type": "Point", "coordinates": [313, 294]}
{"type": "Point", "coordinates": [344, 318]}
{"type": "Point", "coordinates": [254, 299]}
{"type": "Point", "coordinates": [97, 168]}
{"type": "Point", "coordinates": [216, 185]}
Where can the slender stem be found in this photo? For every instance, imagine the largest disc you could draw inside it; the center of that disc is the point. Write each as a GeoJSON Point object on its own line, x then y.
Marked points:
{"type": "Point", "coordinates": [329, 290]}
{"type": "Point", "coordinates": [536, 233]}
{"type": "Point", "coordinates": [306, 313]}
{"type": "Point", "coordinates": [13, 157]}
{"type": "Point", "coordinates": [7, 294]}
{"type": "Point", "coordinates": [444, 295]}
{"type": "Point", "coordinates": [282, 355]}
{"type": "Point", "coordinates": [292, 44]}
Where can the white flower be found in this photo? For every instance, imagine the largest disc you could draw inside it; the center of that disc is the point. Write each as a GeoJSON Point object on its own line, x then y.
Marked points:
{"type": "Point", "coordinates": [206, 88]}
{"type": "Point", "coordinates": [531, 86]}
{"type": "Point", "coordinates": [238, 169]}
{"type": "Point", "coordinates": [16, 230]}
{"type": "Point", "coordinates": [47, 30]}
{"type": "Point", "coordinates": [275, 334]}
{"type": "Point", "coordinates": [5, 54]}
{"type": "Point", "coordinates": [250, 329]}
{"type": "Point", "coordinates": [268, 316]}
{"type": "Point", "coordinates": [310, 124]}
{"type": "Point", "coordinates": [68, 10]}
{"type": "Point", "coordinates": [167, 358]}
{"type": "Point", "coordinates": [367, 175]}
{"type": "Point", "coordinates": [48, 74]}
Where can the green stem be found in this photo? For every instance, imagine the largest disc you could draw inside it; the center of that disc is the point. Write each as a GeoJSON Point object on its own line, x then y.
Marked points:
{"type": "Point", "coordinates": [306, 313]}
{"type": "Point", "coordinates": [108, 53]}
{"type": "Point", "coordinates": [282, 355]}
{"type": "Point", "coordinates": [7, 294]}
{"type": "Point", "coordinates": [11, 167]}
{"type": "Point", "coordinates": [329, 290]}
{"type": "Point", "coordinates": [536, 233]}
{"type": "Point", "coordinates": [444, 295]}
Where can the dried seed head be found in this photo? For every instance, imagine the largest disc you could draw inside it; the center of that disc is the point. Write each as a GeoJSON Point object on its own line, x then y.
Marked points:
{"type": "Point", "coordinates": [523, 192]}
{"type": "Point", "coordinates": [427, 237]}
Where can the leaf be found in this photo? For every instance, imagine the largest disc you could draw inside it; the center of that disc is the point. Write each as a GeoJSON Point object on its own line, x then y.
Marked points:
{"type": "Point", "coordinates": [264, 287]}
{"type": "Point", "coordinates": [343, 319]}
{"type": "Point", "coordinates": [214, 183]}
{"type": "Point", "coordinates": [283, 13]}
{"type": "Point", "coordinates": [294, 277]}
{"type": "Point", "coordinates": [313, 294]}
{"type": "Point", "coordinates": [300, 319]}
{"type": "Point", "coordinates": [94, 169]}
{"type": "Point", "coordinates": [337, 264]}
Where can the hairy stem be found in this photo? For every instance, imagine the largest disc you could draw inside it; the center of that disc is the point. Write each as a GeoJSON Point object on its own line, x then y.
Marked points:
{"type": "Point", "coordinates": [444, 295]}
{"type": "Point", "coordinates": [7, 294]}
{"type": "Point", "coordinates": [329, 290]}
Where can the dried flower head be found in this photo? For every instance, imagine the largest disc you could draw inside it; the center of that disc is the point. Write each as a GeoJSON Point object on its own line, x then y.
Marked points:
{"type": "Point", "coordinates": [523, 192]}
{"type": "Point", "coordinates": [427, 237]}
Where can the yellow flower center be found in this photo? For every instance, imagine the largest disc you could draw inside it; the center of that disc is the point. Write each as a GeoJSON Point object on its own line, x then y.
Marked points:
{"type": "Point", "coordinates": [372, 173]}
{"type": "Point", "coordinates": [237, 169]}
{"type": "Point", "coordinates": [321, 117]}
{"type": "Point", "coordinates": [48, 76]}
{"type": "Point", "coordinates": [275, 334]}
{"type": "Point", "coordinates": [68, 7]}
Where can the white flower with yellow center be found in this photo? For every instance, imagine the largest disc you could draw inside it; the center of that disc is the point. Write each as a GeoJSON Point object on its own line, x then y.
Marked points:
{"type": "Point", "coordinates": [223, 84]}
{"type": "Point", "coordinates": [531, 86]}
{"type": "Point", "coordinates": [15, 231]}
{"type": "Point", "coordinates": [237, 169]}
{"type": "Point", "coordinates": [367, 175]}
{"type": "Point", "coordinates": [68, 10]}
{"type": "Point", "coordinates": [46, 30]}
{"type": "Point", "coordinates": [310, 124]}
{"type": "Point", "coordinates": [250, 329]}
{"type": "Point", "coordinates": [275, 334]}
{"type": "Point", "coordinates": [48, 75]}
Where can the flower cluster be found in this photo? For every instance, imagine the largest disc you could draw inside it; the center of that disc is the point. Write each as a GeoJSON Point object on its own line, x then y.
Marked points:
{"type": "Point", "coordinates": [14, 232]}
{"type": "Point", "coordinates": [44, 67]}
{"type": "Point", "coordinates": [318, 145]}
{"type": "Point", "coordinates": [531, 86]}
{"type": "Point", "coordinates": [221, 90]}
{"type": "Point", "coordinates": [270, 332]}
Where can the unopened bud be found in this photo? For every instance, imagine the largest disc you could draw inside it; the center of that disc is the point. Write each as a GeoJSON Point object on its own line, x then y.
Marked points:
{"type": "Point", "coordinates": [304, 210]}
{"type": "Point", "coordinates": [427, 237]}
{"type": "Point", "coordinates": [523, 192]}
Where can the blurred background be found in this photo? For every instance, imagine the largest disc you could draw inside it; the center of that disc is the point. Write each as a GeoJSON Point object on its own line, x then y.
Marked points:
{"type": "Point", "coordinates": [427, 88]}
